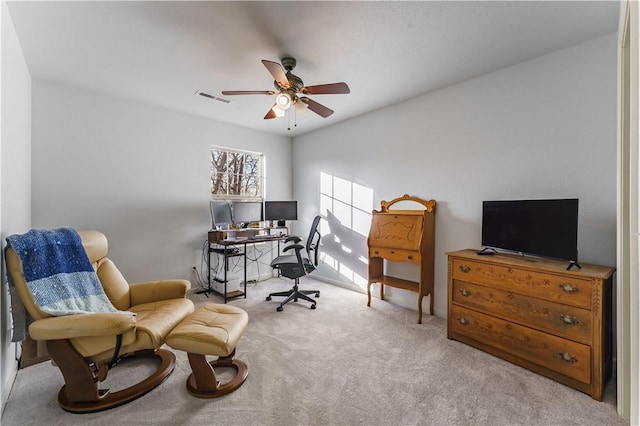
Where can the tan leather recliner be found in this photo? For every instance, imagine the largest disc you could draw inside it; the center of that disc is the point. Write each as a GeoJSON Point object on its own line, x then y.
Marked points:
{"type": "Point", "coordinates": [85, 346]}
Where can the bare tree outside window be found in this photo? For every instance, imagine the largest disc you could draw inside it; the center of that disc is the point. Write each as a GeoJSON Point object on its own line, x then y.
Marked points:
{"type": "Point", "coordinates": [236, 174]}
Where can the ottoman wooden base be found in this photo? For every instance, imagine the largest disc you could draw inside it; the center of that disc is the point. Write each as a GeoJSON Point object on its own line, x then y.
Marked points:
{"type": "Point", "coordinates": [203, 382]}
{"type": "Point", "coordinates": [211, 330]}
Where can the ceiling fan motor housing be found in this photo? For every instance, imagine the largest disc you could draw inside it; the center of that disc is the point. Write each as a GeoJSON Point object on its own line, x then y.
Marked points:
{"type": "Point", "coordinates": [288, 63]}
{"type": "Point", "coordinates": [295, 83]}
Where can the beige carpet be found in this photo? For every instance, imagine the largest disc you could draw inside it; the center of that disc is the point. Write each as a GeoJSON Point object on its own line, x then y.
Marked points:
{"type": "Point", "coordinates": [341, 364]}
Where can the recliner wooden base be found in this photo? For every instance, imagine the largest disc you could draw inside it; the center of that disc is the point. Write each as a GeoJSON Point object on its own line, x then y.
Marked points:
{"type": "Point", "coordinates": [81, 393]}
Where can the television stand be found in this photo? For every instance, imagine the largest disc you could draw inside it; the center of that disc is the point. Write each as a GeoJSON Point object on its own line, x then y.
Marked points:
{"type": "Point", "coordinates": [572, 263]}
{"type": "Point", "coordinates": [534, 313]}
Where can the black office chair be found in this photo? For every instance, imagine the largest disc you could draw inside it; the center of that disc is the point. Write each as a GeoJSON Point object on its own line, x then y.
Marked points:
{"type": "Point", "coordinates": [296, 265]}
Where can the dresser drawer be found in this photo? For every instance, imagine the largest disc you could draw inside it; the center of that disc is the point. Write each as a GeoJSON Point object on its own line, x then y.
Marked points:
{"type": "Point", "coordinates": [563, 320]}
{"type": "Point", "coordinates": [395, 255]}
{"type": "Point", "coordinates": [563, 356]}
{"type": "Point", "coordinates": [557, 288]}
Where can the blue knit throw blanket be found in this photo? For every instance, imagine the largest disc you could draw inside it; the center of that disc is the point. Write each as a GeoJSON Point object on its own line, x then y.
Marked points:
{"type": "Point", "coordinates": [58, 272]}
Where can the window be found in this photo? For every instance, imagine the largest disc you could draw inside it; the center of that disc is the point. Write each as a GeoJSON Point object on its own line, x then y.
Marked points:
{"type": "Point", "coordinates": [236, 174]}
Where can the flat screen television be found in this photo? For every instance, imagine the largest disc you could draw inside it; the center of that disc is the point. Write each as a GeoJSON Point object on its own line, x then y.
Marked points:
{"type": "Point", "coordinates": [281, 211]}
{"type": "Point", "coordinates": [546, 228]}
{"type": "Point", "coordinates": [220, 213]}
{"type": "Point", "coordinates": [245, 212]}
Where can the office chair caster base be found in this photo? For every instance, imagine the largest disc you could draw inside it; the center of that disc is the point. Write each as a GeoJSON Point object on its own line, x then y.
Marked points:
{"type": "Point", "coordinates": [313, 306]}
{"type": "Point", "coordinates": [279, 308]}
{"type": "Point", "coordinates": [268, 298]}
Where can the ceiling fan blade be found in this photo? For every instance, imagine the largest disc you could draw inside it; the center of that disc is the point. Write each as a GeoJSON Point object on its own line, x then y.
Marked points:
{"type": "Point", "coordinates": [271, 113]}
{"type": "Point", "coordinates": [248, 92]}
{"type": "Point", "coordinates": [319, 109]}
{"type": "Point", "coordinates": [277, 72]}
{"type": "Point", "coordinates": [327, 89]}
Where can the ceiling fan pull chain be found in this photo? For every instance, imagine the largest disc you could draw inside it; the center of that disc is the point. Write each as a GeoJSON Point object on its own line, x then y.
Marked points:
{"type": "Point", "coordinates": [295, 117]}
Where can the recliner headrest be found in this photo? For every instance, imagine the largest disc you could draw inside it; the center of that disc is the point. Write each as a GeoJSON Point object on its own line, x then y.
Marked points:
{"type": "Point", "coordinates": [95, 243]}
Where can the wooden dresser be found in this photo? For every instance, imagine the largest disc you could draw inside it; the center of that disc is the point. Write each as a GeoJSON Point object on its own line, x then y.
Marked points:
{"type": "Point", "coordinates": [535, 313]}
{"type": "Point", "coordinates": [403, 236]}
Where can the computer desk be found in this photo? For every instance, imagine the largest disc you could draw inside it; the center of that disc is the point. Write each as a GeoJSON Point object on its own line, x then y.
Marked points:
{"type": "Point", "coordinates": [228, 245]}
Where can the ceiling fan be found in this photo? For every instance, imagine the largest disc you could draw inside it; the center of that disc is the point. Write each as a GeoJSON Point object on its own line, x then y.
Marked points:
{"type": "Point", "coordinates": [288, 87]}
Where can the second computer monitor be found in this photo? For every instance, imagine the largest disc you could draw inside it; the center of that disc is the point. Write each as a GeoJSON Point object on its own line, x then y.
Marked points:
{"type": "Point", "coordinates": [281, 211]}
{"type": "Point", "coordinates": [245, 212]}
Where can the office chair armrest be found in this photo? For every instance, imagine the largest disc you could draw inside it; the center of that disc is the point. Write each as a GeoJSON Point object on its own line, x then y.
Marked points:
{"type": "Point", "coordinates": [293, 238]}
{"type": "Point", "coordinates": [296, 247]}
{"type": "Point", "coordinates": [153, 291]}
{"type": "Point", "coordinates": [82, 325]}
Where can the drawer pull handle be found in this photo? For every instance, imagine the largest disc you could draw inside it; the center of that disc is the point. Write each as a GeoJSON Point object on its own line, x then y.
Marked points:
{"type": "Point", "coordinates": [569, 320]}
{"type": "Point", "coordinates": [410, 257]}
{"type": "Point", "coordinates": [465, 292]}
{"type": "Point", "coordinates": [463, 321]}
{"type": "Point", "coordinates": [464, 268]}
{"type": "Point", "coordinates": [568, 288]}
{"type": "Point", "coordinates": [376, 252]}
{"type": "Point", "coordinates": [393, 252]}
{"type": "Point", "coordinates": [567, 357]}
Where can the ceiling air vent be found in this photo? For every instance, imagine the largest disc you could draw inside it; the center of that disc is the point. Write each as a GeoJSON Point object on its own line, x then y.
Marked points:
{"type": "Point", "coordinates": [212, 96]}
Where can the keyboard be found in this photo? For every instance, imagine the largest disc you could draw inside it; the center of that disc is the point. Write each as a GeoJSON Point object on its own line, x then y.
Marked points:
{"type": "Point", "coordinates": [263, 237]}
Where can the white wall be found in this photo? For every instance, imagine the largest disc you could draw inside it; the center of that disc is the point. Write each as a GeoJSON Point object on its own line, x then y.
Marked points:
{"type": "Point", "coordinates": [545, 128]}
{"type": "Point", "coordinates": [138, 173]}
{"type": "Point", "coordinates": [15, 175]}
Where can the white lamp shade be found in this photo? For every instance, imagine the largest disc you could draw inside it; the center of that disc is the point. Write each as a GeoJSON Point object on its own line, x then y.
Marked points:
{"type": "Point", "coordinates": [283, 100]}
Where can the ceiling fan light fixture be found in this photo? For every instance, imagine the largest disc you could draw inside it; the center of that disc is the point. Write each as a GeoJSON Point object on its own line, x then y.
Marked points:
{"type": "Point", "coordinates": [284, 101]}
{"type": "Point", "coordinates": [301, 107]}
{"type": "Point", "coordinates": [278, 111]}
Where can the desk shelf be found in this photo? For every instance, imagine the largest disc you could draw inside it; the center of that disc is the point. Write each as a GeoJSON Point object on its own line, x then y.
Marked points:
{"type": "Point", "coordinates": [397, 282]}
{"type": "Point", "coordinates": [243, 234]}
{"type": "Point", "coordinates": [231, 294]}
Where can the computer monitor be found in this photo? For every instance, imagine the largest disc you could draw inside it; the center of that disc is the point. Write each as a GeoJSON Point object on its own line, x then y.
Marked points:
{"type": "Point", "coordinates": [281, 211]}
{"type": "Point", "coordinates": [220, 213]}
{"type": "Point", "coordinates": [245, 212]}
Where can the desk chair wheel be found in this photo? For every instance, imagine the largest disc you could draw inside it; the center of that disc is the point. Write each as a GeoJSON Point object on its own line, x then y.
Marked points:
{"type": "Point", "coordinates": [269, 298]}
{"type": "Point", "coordinates": [280, 308]}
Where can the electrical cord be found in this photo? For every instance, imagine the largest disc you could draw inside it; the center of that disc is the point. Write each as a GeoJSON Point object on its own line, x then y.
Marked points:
{"type": "Point", "coordinates": [259, 251]}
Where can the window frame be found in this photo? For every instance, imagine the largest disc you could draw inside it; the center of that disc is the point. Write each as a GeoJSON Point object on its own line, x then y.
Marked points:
{"type": "Point", "coordinates": [258, 176]}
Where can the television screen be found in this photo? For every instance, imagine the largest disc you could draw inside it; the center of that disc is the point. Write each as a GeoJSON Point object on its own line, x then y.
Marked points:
{"type": "Point", "coordinates": [547, 228]}
{"type": "Point", "coordinates": [220, 213]}
{"type": "Point", "coordinates": [280, 210]}
{"type": "Point", "coordinates": [246, 211]}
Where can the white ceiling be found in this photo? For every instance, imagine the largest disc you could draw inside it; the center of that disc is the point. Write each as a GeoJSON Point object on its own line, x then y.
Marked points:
{"type": "Point", "coordinates": [163, 52]}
